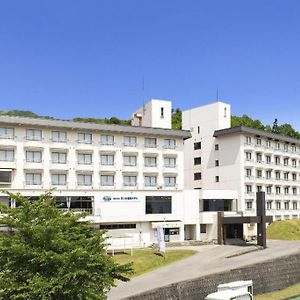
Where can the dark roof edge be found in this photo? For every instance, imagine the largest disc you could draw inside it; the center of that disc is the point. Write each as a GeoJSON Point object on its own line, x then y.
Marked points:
{"type": "Point", "coordinates": [260, 132]}
{"type": "Point", "coordinates": [49, 123]}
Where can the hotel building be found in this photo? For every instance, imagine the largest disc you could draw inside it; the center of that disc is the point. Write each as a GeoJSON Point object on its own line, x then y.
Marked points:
{"type": "Point", "coordinates": [221, 161]}
{"type": "Point", "coordinates": [129, 179]}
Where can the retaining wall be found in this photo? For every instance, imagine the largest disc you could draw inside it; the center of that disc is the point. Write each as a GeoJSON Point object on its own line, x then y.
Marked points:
{"type": "Point", "coordinates": [267, 276]}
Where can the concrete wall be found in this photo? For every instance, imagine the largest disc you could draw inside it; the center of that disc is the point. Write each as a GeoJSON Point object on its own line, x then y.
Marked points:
{"type": "Point", "coordinates": [268, 276]}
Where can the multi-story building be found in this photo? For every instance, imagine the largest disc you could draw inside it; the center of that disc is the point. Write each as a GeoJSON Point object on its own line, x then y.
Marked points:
{"type": "Point", "coordinates": [241, 160]}
{"type": "Point", "coordinates": [129, 179]}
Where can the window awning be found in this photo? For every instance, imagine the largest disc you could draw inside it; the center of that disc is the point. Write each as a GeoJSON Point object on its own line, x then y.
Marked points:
{"type": "Point", "coordinates": [167, 224]}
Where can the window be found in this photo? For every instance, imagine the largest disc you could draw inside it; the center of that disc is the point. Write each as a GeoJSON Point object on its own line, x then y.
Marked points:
{"type": "Point", "coordinates": [33, 134]}
{"type": "Point", "coordinates": [197, 176]}
{"type": "Point", "coordinates": [286, 205]}
{"type": "Point", "coordinates": [202, 228]}
{"type": "Point", "coordinates": [33, 179]}
{"type": "Point", "coordinates": [197, 146]}
{"type": "Point", "coordinates": [7, 155]}
{"type": "Point", "coordinates": [248, 140]}
{"type": "Point", "coordinates": [248, 189]}
{"type": "Point", "coordinates": [278, 146]}
{"type": "Point", "coordinates": [150, 161]}
{"type": "Point", "coordinates": [259, 188]}
{"type": "Point", "coordinates": [59, 136]}
{"type": "Point", "coordinates": [117, 226]}
{"type": "Point", "coordinates": [161, 112]}
{"type": "Point", "coordinates": [259, 157]}
{"type": "Point", "coordinates": [268, 159]}
{"type": "Point", "coordinates": [219, 204]}
{"type": "Point", "coordinates": [170, 181]}
{"type": "Point", "coordinates": [295, 206]}
{"type": "Point", "coordinates": [249, 205]}
{"type": "Point", "coordinates": [258, 142]}
{"type": "Point", "coordinates": [285, 148]}
{"type": "Point", "coordinates": [59, 157]}
{"type": "Point", "coordinates": [85, 138]}
{"type": "Point", "coordinates": [278, 190]}
{"type": "Point", "coordinates": [294, 163]}
{"type": "Point", "coordinates": [286, 190]}
{"type": "Point", "coordinates": [248, 172]}
{"type": "Point", "coordinates": [150, 142]}
{"type": "Point", "coordinates": [269, 205]}
{"type": "Point", "coordinates": [217, 163]}
{"type": "Point", "coordinates": [217, 179]}
{"type": "Point", "coordinates": [286, 176]}
{"type": "Point", "coordinates": [150, 180]}
{"type": "Point", "coordinates": [34, 156]}
{"type": "Point", "coordinates": [107, 140]}
{"type": "Point", "coordinates": [294, 176]}
{"type": "Point", "coordinates": [269, 190]}
{"type": "Point", "coordinates": [277, 160]}
{"type": "Point", "coordinates": [5, 177]}
{"type": "Point", "coordinates": [7, 133]}
{"type": "Point", "coordinates": [294, 191]}
{"type": "Point", "coordinates": [268, 174]}
{"type": "Point", "coordinates": [130, 180]}
{"type": "Point", "coordinates": [268, 144]}
{"type": "Point", "coordinates": [259, 173]}
{"type": "Point", "coordinates": [58, 179]}
{"type": "Point", "coordinates": [286, 161]}
{"type": "Point", "coordinates": [129, 160]}
{"type": "Point", "coordinates": [198, 129]}
{"type": "Point", "coordinates": [169, 162]}
{"type": "Point", "coordinates": [294, 149]}
{"type": "Point", "coordinates": [158, 204]}
{"type": "Point", "coordinates": [169, 144]}
{"type": "Point", "coordinates": [248, 156]}
{"type": "Point", "coordinates": [84, 159]}
{"type": "Point", "coordinates": [107, 180]}
{"type": "Point", "coordinates": [216, 147]}
{"type": "Point", "coordinates": [130, 141]}
{"type": "Point", "coordinates": [197, 161]}
{"type": "Point", "coordinates": [277, 175]}
{"type": "Point", "coordinates": [107, 159]}
{"type": "Point", "coordinates": [278, 205]}
{"type": "Point", "coordinates": [84, 180]}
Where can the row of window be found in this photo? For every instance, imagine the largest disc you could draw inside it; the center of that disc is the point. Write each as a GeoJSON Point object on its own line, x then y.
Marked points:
{"type": "Point", "coordinates": [268, 159]}
{"type": "Point", "coordinates": [270, 144]}
{"type": "Point", "coordinates": [278, 205]}
{"type": "Point", "coordinates": [279, 175]}
{"type": "Point", "coordinates": [287, 190]}
{"type": "Point", "coordinates": [105, 180]}
{"type": "Point", "coordinates": [86, 158]}
{"type": "Point", "coordinates": [86, 138]}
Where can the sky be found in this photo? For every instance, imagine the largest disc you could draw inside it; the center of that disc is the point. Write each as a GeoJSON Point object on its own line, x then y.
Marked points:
{"type": "Point", "coordinates": [103, 58]}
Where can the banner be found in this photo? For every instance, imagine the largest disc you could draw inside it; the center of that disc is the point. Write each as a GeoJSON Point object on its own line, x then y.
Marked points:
{"type": "Point", "coordinates": [161, 239]}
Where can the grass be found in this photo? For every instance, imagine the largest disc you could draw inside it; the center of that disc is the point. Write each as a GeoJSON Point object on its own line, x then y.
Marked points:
{"type": "Point", "coordinates": [284, 230]}
{"type": "Point", "coordinates": [146, 260]}
{"type": "Point", "coordinates": [291, 291]}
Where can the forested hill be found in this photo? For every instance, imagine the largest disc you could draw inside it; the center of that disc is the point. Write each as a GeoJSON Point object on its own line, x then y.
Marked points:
{"type": "Point", "coordinates": [284, 129]}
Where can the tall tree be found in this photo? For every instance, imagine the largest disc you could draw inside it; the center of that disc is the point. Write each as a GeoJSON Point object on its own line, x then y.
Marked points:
{"type": "Point", "coordinates": [50, 254]}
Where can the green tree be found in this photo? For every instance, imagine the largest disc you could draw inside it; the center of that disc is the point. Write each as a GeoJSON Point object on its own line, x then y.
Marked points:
{"type": "Point", "coordinates": [245, 120]}
{"type": "Point", "coordinates": [49, 254]}
{"type": "Point", "coordinates": [176, 118]}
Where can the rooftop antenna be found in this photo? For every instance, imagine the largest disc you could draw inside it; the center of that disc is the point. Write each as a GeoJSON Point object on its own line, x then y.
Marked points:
{"type": "Point", "coordinates": [217, 94]}
{"type": "Point", "coordinates": [143, 95]}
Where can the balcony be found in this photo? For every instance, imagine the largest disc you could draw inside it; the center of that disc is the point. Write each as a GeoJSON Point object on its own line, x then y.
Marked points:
{"type": "Point", "coordinates": [33, 185]}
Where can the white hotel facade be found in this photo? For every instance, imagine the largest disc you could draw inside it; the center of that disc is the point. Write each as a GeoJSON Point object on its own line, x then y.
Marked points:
{"type": "Point", "coordinates": [130, 179]}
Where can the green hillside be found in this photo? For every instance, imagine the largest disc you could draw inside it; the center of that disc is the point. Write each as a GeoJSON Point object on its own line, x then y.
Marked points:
{"type": "Point", "coordinates": [284, 230]}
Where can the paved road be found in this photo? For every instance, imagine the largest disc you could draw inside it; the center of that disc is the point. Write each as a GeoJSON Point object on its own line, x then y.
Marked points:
{"type": "Point", "coordinates": [209, 259]}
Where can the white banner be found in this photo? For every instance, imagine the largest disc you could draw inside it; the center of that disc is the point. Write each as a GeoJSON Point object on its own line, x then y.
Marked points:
{"type": "Point", "coordinates": [161, 239]}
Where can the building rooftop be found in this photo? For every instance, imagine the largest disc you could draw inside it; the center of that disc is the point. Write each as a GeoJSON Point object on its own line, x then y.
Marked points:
{"type": "Point", "coordinates": [257, 132]}
{"type": "Point", "coordinates": [71, 125]}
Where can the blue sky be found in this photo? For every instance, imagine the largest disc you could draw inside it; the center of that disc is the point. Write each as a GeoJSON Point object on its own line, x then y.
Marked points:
{"type": "Point", "coordinates": [89, 58]}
